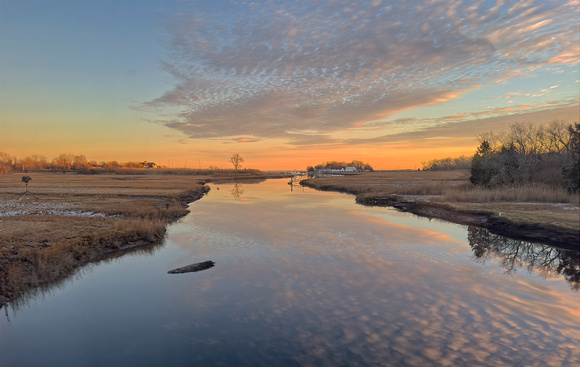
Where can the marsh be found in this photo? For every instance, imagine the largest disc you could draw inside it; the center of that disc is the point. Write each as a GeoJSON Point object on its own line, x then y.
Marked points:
{"type": "Point", "coordinates": [303, 277]}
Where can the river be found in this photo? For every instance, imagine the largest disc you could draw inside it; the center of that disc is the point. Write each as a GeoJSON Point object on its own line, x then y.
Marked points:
{"type": "Point", "coordinates": [307, 278]}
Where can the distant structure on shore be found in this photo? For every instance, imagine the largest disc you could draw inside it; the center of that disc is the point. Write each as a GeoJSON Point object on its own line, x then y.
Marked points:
{"type": "Point", "coordinates": [340, 167]}
{"type": "Point", "coordinates": [146, 164]}
{"type": "Point", "coordinates": [338, 170]}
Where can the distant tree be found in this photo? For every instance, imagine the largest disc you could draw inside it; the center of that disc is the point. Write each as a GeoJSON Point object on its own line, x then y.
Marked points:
{"type": "Point", "coordinates": [335, 165]}
{"type": "Point", "coordinates": [63, 162]}
{"type": "Point", "coordinates": [80, 162]}
{"type": "Point", "coordinates": [368, 167]}
{"type": "Point", "coordinates": [6, 163]}
{"type": "Point", "coordinates": [111, 165]}
{"type": "Point", "coordinates": [32, 162]}
{"type": "Point", "coordinates": [571, 173]}
{"type": "Point", "coordinates": [359, 165]}
{"type": "Point", "coordinates": [132, 165]}
{"type": "Point", "coordinates": [237, 161]}
{"type": "Point", "coordinates": [447, 164]}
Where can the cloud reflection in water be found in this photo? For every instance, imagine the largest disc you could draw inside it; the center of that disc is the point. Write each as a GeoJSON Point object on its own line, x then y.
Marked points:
{"type": "Point", "coordinates": [337, 284]}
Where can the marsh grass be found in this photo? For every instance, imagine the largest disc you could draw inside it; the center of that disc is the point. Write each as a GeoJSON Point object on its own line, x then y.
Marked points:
{"type": "Point", "coordinates": [447, 186]}
{"type": "Point", "coordinates": [529, 193]}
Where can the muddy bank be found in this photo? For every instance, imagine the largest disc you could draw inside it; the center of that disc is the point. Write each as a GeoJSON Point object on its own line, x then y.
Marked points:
{"type": "Point", "coordinates": [564, 238]}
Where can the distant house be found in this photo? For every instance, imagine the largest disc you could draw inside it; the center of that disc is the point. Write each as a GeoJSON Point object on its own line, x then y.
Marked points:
{"type": "Point", "coordinates": [350, 169]}
{"type": "Point", "coordinates": [148, 165]}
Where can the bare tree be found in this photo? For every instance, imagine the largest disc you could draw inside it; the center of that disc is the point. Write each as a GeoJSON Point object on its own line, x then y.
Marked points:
{"type": "Point", "coordinates": [33, 162]}
{"type": "Point", "coordinates": [526, 153]}
{"type": "Point", "coordinates": [6, 162]}
{"type": "Point", "coordinates": [492, 138]}
{"type": "Point", "coordinates": [80, 162]}
{"type": "Point", "coordinates": [64, 161]}
{"type": "Point", "coordinates": [237, 161]}
{"type": "Point", "coordinates": [557, 136]}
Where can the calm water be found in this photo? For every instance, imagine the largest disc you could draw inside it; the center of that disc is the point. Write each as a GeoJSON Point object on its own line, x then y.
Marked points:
{"type": "Point", "coordinates": [307, 278]}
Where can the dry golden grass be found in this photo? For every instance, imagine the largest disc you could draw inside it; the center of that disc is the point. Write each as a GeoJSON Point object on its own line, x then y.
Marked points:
{"type": "Point", "coordinates": [73, 219]}
{"type": "Point", "coordinates": [394, 182]}
{"type": "Point", "coordinates": [450, 186]}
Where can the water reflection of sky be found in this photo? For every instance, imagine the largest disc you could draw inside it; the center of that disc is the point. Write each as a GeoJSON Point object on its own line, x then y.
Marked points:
{"type": "Point", "coordinates": [371, 287]}
{"type": "Point", "coordinates": [303, 278]}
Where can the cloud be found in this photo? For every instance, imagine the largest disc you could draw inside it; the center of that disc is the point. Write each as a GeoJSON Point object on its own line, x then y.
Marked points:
{"type": "Point", "coordinates": [455, 127]}
{"type": "Point", "coordinates": [246, 140]}
{"type": "Point", "coordinates": [277, 69]}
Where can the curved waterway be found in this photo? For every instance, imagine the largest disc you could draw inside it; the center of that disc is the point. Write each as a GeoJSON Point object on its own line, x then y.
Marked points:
{"type": "Point", "coordinates": [307, 278]}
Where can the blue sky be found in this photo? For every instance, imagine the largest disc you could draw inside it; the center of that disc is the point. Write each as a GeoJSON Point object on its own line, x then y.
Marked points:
{"type": "Point", "coordinates": [280, 79]}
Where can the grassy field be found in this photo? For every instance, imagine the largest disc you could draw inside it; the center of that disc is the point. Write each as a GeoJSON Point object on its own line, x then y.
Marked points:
{"type": "Point", "coordinates": [73, 219]}
{"type": "Point", "coordinates": [541, 213]}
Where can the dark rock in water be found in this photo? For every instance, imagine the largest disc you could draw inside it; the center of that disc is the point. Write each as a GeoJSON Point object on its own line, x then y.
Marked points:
{"type": "Point", "coordinates": [193, 267]}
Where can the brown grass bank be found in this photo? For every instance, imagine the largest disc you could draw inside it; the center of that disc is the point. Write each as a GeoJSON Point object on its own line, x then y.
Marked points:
{"type": "Point", "coordinates": [74, 219]}
{"type": "Point", "coordinates": [533, 213]}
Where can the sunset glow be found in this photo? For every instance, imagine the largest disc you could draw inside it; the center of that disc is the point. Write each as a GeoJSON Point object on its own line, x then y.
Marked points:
{"type": "Point", "coordinates": [284, 84]}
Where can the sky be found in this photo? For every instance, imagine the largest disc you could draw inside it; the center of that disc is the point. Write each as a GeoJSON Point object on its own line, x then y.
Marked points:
{"type": "Point", "coordinates": [285, 84]}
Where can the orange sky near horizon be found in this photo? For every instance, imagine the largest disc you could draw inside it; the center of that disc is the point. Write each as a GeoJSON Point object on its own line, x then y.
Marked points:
{"type": "Point", "coordinates": [169, 148]}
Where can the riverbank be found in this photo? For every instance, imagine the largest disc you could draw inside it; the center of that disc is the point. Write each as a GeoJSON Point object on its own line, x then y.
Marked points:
{"type": "Point", "coordinates": [69, 220]}
{"type": "Point", "coordinates": [538, 214]}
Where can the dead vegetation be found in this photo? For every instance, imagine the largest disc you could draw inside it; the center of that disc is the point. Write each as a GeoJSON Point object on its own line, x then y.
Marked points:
{"type": "Point", "coordinates": [74, 219]}
{"type": "Point", "coordinates": [533, 211]}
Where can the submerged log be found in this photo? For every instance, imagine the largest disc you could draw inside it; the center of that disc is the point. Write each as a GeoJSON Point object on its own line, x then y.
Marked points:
{"type": "Point", "coordinates": [193, 267]}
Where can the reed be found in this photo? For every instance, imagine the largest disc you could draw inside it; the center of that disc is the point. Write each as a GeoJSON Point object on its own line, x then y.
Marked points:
{"type": "Point", "coordinates": [528, 193]}
{"type": "Point", "coordinates": [450, 186]}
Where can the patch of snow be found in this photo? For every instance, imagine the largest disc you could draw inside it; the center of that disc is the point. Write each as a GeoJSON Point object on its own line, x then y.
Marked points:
{"type": "Point", "coordinates": [70, 213]}
{"type": "Point", "coordinates": [11, 213]}
{"type": "Point", "coordinates": [10, 209]}
{"type": "Point", "coordinates": [412, 198]}
{"type": "Point", "coordinates": [563, 206]}
{"type": "Point", "coordinates": [569, 207]}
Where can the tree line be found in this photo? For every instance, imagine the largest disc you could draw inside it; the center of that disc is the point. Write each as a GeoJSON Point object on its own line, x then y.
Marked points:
{"type": "Point", "coordinates": [447, 164]}
{"type": "Point", "coordinates": [525, 153]}
{"type": "Point", "coordinates": [63, 162]}
{"type": "Point", "coordinates": [529, 153]}
{"type": "Point", "coordinates": [335, 165]}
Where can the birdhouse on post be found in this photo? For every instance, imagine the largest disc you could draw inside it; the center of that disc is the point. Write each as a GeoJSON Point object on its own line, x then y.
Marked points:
{"type": "Point", "coordinates": [26, 180]}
